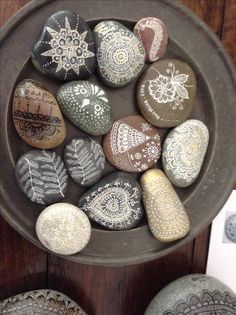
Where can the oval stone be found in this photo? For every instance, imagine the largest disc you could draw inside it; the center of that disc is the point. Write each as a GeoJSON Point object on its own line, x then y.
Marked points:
{"type": "Point", "coordinates": [230, 228]}
{"type": "Point", "coordinates": [152, 33]}
{"type": "Point", "coordinates": [132, 145]}
{"type": "Point", "coordinates": [194, 294]}
{"type": "Point", "coordinates": [65, 49]}
{"type": "Point", "coordinates": [42, 176]}
{"type": "Point", "coordinates": [37, 116]}
{"type": "Point", "coordinates": [184, 150]}
{"type": "Point", "coordinates": [120, 55]}
{"type": "Point", "coordinates": [85, 160]}
{"type": "Point", "coordinates": [114, 202]}
{"type": "Point", "coordinates": [63, 228]}
{"type": "Point", "coordinates": [166, 215]}
{"type": "Point", "coordinates": [166, 92]}
{"type": "Point", "coordinates": [86, 105]}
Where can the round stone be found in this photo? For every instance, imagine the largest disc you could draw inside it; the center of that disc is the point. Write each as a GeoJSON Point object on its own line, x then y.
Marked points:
{"type": "Point", "coordinates": [42, 176]}
{"type": "Point", "coordinates": [65, 49]}
{"type": "Point", "coordinates": [37, 116]}
{"type": "Point", "coordinates": [183, 152]}
{"type": "Point", "coordinates": [114, 202]}
{"type": "Point", "coordinates": [152, 33]}
{"type": "Point", "coordinates": [86, 105]}
{"type": "Point", "coordinates": [63, 229]}
{"type": "Point", "coordinates": [166, 92]}
{"type": "Point", "coordinates": [85, 160]}
{"type": "Point", "coordinates": [230, 228]}
{"type": "Point", "coordinates": [120, 55]}
{"type": "Point", "coordinates": [132, 145]}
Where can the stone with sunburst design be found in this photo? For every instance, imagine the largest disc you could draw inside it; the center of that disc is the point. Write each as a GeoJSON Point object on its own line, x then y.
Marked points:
{"type": "Point", "coordinates": [65, 49]}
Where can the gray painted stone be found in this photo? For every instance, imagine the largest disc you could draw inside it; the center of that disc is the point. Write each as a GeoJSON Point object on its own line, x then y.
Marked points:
{"type": "Point", "coordinates": [230, 228]}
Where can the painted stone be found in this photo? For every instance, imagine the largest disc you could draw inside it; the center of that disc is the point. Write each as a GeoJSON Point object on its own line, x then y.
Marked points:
{"type": "Point", "coordinates": [166, 215]}
{"type": "Point", "coordinates": [132, 145]}
{"type": "Point", "coordinates": [85, 160]}
{"type": "Point", "coordinates": [230, 228]}
{"type": "Point", "coordinates": [166, 92]}
{"type": "Point", "coordinates": [63, 228]}
{"type": "Point", "coordinates": [152, 33]}
{"type": "Point", "coordinates": [86, 105]}
{"type": "Point", "coordinates": [114, 202]}
{"type": "Point", "coordinates": [184, 150]}
{"type": "Point", "coordinates": [120, 54]}
{"type": "Point", "coordinates": [40, 302]}
{"type": "Point", "coordinates": [65, 49]}
{"type": "Point", "coordinates": [42, 176]}
{"type": "Point", "coordinates": [37, 116]}
{"type": "Point", "coordinates": [194, 294]}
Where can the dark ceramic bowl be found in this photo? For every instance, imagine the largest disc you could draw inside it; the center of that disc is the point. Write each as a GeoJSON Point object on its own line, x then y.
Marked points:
{"type": "Point", "coordinates": [189, 40]}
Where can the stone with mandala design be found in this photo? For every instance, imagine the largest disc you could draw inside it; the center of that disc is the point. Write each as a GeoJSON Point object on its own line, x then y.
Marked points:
{"type": "Point", "coordinates": [166, 92]}
{"type": "Point", "coordinates": [65, 49]}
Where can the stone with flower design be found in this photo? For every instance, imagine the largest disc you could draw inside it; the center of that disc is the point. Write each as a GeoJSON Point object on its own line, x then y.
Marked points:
{"type": "Point", "coordinates": [120, 54]}
{"type": "Point", "coordinates": [65, 49]}
{"type": "Point", "coordinates": [166, 92]}
{"type": "Point", "coordinates": [132, 145]}
{"type": "Point", "coordinates": [37, 116]}
{"type": "Point", "coordinates": [114, 202]}
{"type": "Point", "coordinates": [86, 105]}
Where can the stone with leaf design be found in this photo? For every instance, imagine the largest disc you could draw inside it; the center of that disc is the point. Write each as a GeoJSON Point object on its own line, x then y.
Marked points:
{"type": "Point", "coordinates": [166, 92]}
{"type": "Point", "coordinates": [65, 49]}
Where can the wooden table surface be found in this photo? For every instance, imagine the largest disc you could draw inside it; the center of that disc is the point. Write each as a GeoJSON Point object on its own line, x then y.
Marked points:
{"type": "Point", "coordinates": [101, 290]}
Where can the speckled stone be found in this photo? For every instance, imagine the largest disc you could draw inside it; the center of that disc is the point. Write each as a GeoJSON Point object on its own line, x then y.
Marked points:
{"type": "Point", "coordinates": [120, 54]}
{"type": "Point", "coordinates": [230, 228]}
{"type": "Point", "coordinates": [85, 160]}
{"type": "Point", "coordinates": [152, 33]}
{"type": "Point", "coordinates": [63, 228]}
{"type": "Point", "coordinates": [166, 215]}
{"type": "Point", "coordinates": [166, 92]}
{"type": "Point", "coordinates": [65, 49]}
{"type": "Point", "coordinates": [37, 116]}
{"type": "Point", "coordinates": [194, 294]}
{"type": "Point", "coordinates": [86, 105]}
{"type": "Point", "coordinates": [184, 150]}
{"type": "Point", "coordinates": [42, 176]}
{"type": "Point", "coordinates": [132, 145]}
{"type": "Point", "coordinates": [114, 202]}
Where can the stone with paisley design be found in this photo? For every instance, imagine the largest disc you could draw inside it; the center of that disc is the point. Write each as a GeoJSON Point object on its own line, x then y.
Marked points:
{"type": "Point", "coordinates": [37, 116]}
{"type": "Point", "coordinates": [132, 145]}
{"type": "Point", "coordinates": [152, 32]}
{"type": "Point", "coordinates": [166, 92]}
{"type": "Point", "coordinates": [184, 150]}
{"type": "Point", "coordinates": [194, 294]}
{"type": "Point", "coordinates": [65, 49]}
{"type": "Point", "coordinates": [114, 202]}
{"type": "Point", "coordinates": [120, 54]}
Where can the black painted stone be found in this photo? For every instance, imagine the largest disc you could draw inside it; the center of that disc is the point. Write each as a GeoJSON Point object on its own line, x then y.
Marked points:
{"type": "Point", "coordinates": [114, 202]}
{"type": "Point", "coordinates": [65, 49]}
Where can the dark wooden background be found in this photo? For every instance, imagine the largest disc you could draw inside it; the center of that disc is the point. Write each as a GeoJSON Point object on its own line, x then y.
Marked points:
{"type": "Point", "coordinates": [101, 290]}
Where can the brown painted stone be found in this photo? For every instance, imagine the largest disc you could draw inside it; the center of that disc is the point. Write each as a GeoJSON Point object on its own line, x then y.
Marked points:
{"type": "Point", "coordinates": [166, 92]}
{"type": "Point", "coordinates": [152, 33]}
{"type": "Point", "coordinates": [37, 116]}
{"type": "Point", "coordinates": [132, 145]}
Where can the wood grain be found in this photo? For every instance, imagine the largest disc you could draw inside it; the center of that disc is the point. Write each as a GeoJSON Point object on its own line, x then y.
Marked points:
{"type": "Point", "coordinates": [229, 29]}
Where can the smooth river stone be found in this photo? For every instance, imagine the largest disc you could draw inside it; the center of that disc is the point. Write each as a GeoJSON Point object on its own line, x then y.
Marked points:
{"type": "Point", "coordinates": [194, 294]}
{"type": "Point", "coordinates": [166, 92]}
{"type": "Point", "coordinates": [65, 49]}
{"type": "Point", "coordinates": [114, 202]}
{"type": "Point", "coordinates": [63, 228]}
{"type": "Point", "coordinates": [184, 150]}
{"type": "Point", "coordinates": [42, 176]}
{"type": "Point", "coordinates": [86, 105]}
{"type": "Point", "coordinates": [132, 145]}
{"type": "Point", "coordinates": [36, 115]}
{"type": "Point", "coordinates": [166, 215]}
{"type": "Point", "coordinates": [85, 160]}
{"type": "Point", "coordinates": [230, 228]}
{"type": "Point", "coordinates": [152, 33]}
{"type": "Point", "coordinates": [120, 54]}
